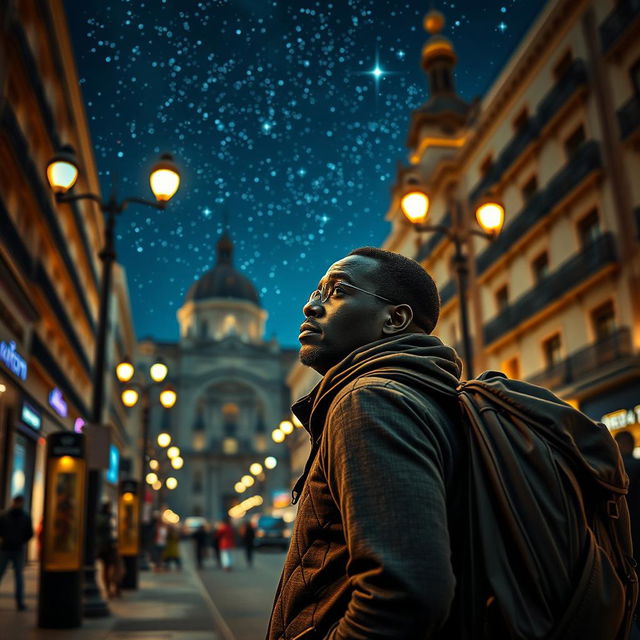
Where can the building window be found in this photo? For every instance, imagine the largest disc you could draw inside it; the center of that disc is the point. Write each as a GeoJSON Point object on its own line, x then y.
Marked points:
{"type": "Point", "coordinates": [502, 298]}
{"type": "Point", "coordinates": [560, 70]}
{"type": "Point", "coordinates": [486, 166]}
{"type": "Point", "coordinates": [589, 228]}
{"type": "Point", "coordinates": [574, 141]}
{"type": "Point", "coordinates": [635, 77]}
{"type": "Point", "coordinates": [521, 121]}
{"type": "Point", "coordinates": [511, 367]}
{"type": "Point", "coordinates": [230, 446]}
{"type": "Point", "coordinates": [552, 350]}
{"type": "Point", "coordinates": [540, 267]}
{"type": "Point", "coordinates": [603, 320]}
{"type": "Point", "coordinates": [530, 189]}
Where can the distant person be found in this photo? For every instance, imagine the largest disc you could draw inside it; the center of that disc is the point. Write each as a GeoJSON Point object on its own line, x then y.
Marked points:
{"type": "Point", "coordinates": [171, 554]}
{"type": "Point", "coordinates": [626, 443]}
{"type": "Point", "coordinates": [200, 538]}
{"type": "Point", "coordinates": [15, 531]}
{"type": "Point", "coordinates": [107, 550]}
{"type": "Point", "coordinates": [248, 537]}
{"type": "Point", "coordinates": [159, 545]}
{"type": "Point", "coordinates": [215, 544]}
{"type": "Point", "coordinates": [226, 542]}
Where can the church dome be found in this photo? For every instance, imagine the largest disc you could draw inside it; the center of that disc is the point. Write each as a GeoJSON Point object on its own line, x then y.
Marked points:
{"type": "Point", "coordinates": [223, 281]}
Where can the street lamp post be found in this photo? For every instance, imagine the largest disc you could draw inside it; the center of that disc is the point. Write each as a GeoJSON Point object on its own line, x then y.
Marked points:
{"type": "Point", "coordinates": [125, 372]}
{"type": "Point", "coordinates": [62, 173]}
{"type": "Point", "coordinates": [489, 215]}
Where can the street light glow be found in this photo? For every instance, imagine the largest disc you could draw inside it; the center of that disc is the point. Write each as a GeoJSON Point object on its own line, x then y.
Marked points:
{"type": "Point", "coordinates": [171, 483]}
{"type": "Point", "coordinates": [239, 487]}
{"type": "Point", "coordinates": [125, 371]}
{"type": "Point", "coordinates": [177, 462]}
{"type": "Point", "coordinates": [278, 435]}
{"type": "Point", "coordinates": [164, 440]}
{"type": "Point", "coordinates": [154, 464]}
{"type": "Point", "coordinates": [158, 371]}
{"type": "Point", "coordinates": [270, 462]}
{"type": "Point", "coordinates": [173, 452]}
{"type": "Point", "coordinates": [415, 206]}
{"type": "Point", "coordinates": [62, 170]}
{"type": "Point", "coordinates": [151, 477]}
{"type": "Point", "coordinates": [256, 468]}
{"type": "Point", "coordinates": [490, 216]}
{"type": "Point", "coordinates": [286, 426]}
{"type": "Point", "coordinates": [164, 178]}
{"type": "Point", "coordinates": [168, 397]}
{"type": "Point", "coordinates": [247, 481]}
{"type": "Point", "coordinates": [129, 397]}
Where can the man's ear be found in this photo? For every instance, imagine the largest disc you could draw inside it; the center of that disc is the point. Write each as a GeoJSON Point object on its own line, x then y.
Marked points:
{"type": "Point", "coordinates": [398, 320]}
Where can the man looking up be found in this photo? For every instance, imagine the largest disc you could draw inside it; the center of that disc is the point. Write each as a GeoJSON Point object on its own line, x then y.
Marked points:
{"type": "Point", "coordinates": [375, 549]}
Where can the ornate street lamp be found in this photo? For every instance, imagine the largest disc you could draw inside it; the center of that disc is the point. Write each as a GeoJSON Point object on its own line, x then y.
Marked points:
{"type": "Point", "coordinates": [62, 172]}
{"type": "Point", "coordinates": [489, 212]}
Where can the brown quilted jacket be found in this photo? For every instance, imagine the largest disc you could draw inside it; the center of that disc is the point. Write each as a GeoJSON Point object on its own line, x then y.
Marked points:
{"type": "Point", "coordinates": [374, 549]}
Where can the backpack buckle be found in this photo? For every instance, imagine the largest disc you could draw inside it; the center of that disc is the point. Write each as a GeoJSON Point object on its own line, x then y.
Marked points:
{"type": "Point", "coordinates": [612, 508]}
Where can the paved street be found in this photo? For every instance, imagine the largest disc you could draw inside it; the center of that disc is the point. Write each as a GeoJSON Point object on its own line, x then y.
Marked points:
{"type": "Point", "coordinates": [244, 596]}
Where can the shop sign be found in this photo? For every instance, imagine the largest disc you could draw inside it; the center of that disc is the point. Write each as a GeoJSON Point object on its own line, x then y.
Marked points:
{"type": "Point", "coordinates": [57, 402]}
{"type": "Point", "coordinates": [30, 416]}
{"type": "Point", "coordinates": [114, 464]}
{"type": "Point", "coordinates": [13, 360]}
{"type": "Point", "coordinates": [622, 418]}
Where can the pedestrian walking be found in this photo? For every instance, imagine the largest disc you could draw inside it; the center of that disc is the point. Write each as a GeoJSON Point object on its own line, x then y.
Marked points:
{"type": "Point", "coordinates": [15, 531]}
{"type": "Point", "coordinates": [226, 542]}
{"type": "Point", "coordinates": [215, 543]}
{"type": "Point", "coordinates": [248, 535]}
{"type": "Point", "coordinates": [107, 550]}
{"type": "Point", "coordinates": [200, 538]}
{"type": "Point", "coordinates": [424, 500]}
{"type": "Point", "coordinates": [159, 545]}
{"type": "Point", "coordinates": [171, 554]}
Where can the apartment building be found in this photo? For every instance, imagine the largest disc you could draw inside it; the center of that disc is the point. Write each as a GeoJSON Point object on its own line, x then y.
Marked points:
{"type": "Point", "coordinates": [49, 266]}
{"type": "Point", "coordinates": [555, 297]}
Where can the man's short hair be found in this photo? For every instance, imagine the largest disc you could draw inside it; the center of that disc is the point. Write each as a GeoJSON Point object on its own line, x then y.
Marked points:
{"type": "Point", "coordinates": [403, 281]}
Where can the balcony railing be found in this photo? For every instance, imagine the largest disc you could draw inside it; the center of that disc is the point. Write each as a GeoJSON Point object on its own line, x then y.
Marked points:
{"type": "Point", "coordinates": [629, 117]}
{"type": "Point", "coordinates": [568, 275]}
{"type": "Point", "coordinates": [618, 21]}
{"type": "Point", "coordinates": [586, 160]}
{"type": "Point", "coordinates": [587, 361]}
{"type": "Point", "coordinates": [565, 87]}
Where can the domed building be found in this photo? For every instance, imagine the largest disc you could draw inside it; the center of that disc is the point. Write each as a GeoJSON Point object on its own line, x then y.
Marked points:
{"type": "Point", "coordinates": [231, 394]}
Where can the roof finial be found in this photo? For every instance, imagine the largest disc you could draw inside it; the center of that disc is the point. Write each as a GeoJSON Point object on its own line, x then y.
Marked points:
{"type": "Point", "coordinates": [434, 22]}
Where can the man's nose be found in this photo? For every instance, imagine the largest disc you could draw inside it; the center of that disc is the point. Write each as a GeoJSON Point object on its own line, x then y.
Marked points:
{"type": "Point", "coordinates": [313, 309]}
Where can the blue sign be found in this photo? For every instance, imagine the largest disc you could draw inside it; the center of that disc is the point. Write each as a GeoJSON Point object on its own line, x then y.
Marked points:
{"type": "Point", "coordinates": [57, 402]}
{"type": "Point", "coordinates": [114, 464]}
{"type": "Point", "coordinates": [14, 361]}
{"type": "Point", "coordinates": [30, 417]}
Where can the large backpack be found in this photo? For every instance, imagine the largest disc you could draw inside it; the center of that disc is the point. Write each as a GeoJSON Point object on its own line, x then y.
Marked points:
{"type": "Point", "coordinates": [550, 544]}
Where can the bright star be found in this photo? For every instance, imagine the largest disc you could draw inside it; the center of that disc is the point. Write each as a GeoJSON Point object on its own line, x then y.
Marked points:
{"type": "Point", "coordinates": [377, 72]}
{"type": "Point", "coordinates": [502, 26]}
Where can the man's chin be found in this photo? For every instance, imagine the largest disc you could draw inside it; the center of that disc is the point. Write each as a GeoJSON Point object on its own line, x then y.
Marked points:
{"type": "Point", "coordinates": [313, 356]}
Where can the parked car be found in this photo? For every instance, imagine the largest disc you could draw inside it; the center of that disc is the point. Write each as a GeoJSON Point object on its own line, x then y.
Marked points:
{"type": "Point", "coordinates": [272, 532]}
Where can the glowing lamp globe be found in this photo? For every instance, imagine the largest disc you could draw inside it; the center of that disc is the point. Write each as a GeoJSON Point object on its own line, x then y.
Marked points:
{"type": "Point", "coordinates": [164, 178]}
{"type": "Point", "coordinates": [247, 481]}
{"type": "Point", "coordinates": [286, 427]}
{"type": "Point", "coordinates": [168, 397]}
{"type": "Point", "coordinates": [270, 462]}
{"type": "Point", "coordinates": [158, 371]}
{"type": "Point", "coordinates": [164, 440]}
{"type": "Point", "coordinates": [173, 452]}
{"type": "Point", "coordinates": [278, 436]}
{"type": "Point", "coordinates": [490, 216]}
{"type": "Point", "coordinates": [125, 371]}
{"type": "Point", "coordinates": [415, 206]}
{"type": "Point", "coordinates": [177, 462]}
{"type": "Point", "coordinates": [171, 483]}
{"type": "Point", "coordinates": [62, 170]}
{"type": "Point", "coordinates": [256, 468]}
{"type": "Point", "coordinates": [129, 397]}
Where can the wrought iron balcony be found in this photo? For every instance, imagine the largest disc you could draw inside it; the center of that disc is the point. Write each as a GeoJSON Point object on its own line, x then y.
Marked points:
{"type": "Point", "coordinates": [587, 361]}
{"type": "Point", "coordinates": [618, 21]}
{"type": "Point", "coordinates": [568, 275]}
{"type": "Point", "coordinates": [574, 78]}
{"type": "Point", "coordinates": [586, 160]}
{"type": "Point", "coordinates": [629, 117]}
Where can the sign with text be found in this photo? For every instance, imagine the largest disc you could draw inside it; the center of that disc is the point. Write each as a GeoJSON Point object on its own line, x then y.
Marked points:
{"type": "Point", "coordinates": [57, 402]}
{"type": "Point", "coordinates": [13, 360]}
{"type": "Point", "coordinates": [30, 416]}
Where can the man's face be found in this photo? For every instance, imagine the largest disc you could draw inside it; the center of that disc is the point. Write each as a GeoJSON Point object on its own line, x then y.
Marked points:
{"type": "Point", "coordinates": [348, 320]}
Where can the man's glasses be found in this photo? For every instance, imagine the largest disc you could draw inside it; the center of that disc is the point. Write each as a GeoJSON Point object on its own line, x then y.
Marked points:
{"type": "Point", "coordinates": [328, 289]}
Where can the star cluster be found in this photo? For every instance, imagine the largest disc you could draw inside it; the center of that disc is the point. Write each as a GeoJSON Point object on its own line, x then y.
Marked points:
{"type": "Point", "coordinates": [286, 117]}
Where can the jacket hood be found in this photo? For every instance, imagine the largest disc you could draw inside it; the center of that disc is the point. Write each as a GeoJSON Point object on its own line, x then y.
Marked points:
{"type": "Point", "coordinates": [415, 359]}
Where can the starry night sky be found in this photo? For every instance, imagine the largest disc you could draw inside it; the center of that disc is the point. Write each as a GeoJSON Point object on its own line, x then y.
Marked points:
{"type": "Point", "coordinates": [274, 113]}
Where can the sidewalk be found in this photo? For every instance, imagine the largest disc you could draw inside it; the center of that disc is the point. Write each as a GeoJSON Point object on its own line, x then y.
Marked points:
{"type": "Point", "coordinates": [167, 606]}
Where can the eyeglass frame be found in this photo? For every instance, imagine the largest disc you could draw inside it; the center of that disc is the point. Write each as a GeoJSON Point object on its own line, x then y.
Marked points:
{"type": "Point", "coordinates": [323, 299]}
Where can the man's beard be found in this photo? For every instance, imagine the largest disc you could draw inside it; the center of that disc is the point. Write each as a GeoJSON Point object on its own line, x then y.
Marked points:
{"type": "Point", "coordinates": [318, 358]}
